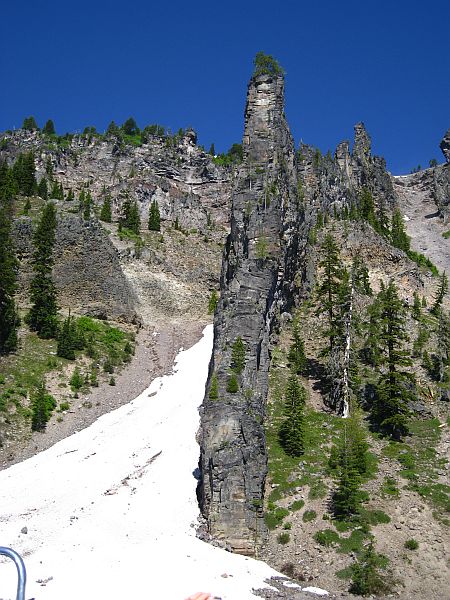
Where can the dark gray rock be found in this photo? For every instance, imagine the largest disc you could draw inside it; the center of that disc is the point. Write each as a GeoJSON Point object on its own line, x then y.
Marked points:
{"type": "Point", "coordinates": [261, 255]}
{"type": "Point", "coordinates": [445, 145]}
{"type": "Point", "coordinates": [87, 272]}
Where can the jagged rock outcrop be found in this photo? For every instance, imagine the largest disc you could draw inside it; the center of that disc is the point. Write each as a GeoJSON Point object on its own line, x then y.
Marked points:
{"type": "Point", "coordinates": [87, 272]}
{"type": "Point", "coordinates": [442, 180]}
{"type": "Point", "coordinates": [445, 145]}
{"type": "Point", "coordinates": [260, 257]}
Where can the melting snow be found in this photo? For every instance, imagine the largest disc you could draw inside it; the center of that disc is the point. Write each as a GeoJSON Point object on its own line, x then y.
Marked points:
{"type": "Point", "coordinates": [111, 511]}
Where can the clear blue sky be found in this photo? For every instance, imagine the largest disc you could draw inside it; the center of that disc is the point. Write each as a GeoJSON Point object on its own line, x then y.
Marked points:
{"type": "Point", "coordinates": [187, 63]}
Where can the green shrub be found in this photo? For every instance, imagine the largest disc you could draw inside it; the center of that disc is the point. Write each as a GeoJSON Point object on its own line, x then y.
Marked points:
{"type": "Point", "coordinates": [275, 517]}
{"type": "Point", "coordinates": [287, 525]}
{"type": "Point", "coordinates": [326, 537]}
{"type": "Point", "coordinates": [64, 406]}
{"type": "Point", "coordinates": [297, 505]}
{"type": "Point", "coordinates": [232, 384]}
{"type": "Point", "coordinates": [309, 515]}
{"type": "Point", "coordinates": [283, 538]}
{"type": "Point", "coordinates": [76, 381]}
{"type": "Point", "coordinates": [411, 544]}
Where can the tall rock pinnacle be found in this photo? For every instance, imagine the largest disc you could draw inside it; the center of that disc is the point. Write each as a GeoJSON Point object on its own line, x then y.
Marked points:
{"type": "Point", "coordinates": [260, 250]}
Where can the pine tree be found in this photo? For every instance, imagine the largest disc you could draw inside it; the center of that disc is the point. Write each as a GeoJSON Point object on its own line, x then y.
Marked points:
{"type": "Point", "coordinates": [113, 129]}
{"type": "Point", "coordinates": [130, 216]}
{"type": "Point", "coordinates": [238, 355]}
{"type": "Point", "coordinates": [399, 237]}
{"type": "Point", "coordinates": [367, 579]}
{"type": "Point", "coordinates": [296, 355]}
{"type": "Point", "coordinates": [68, 339]}
{"type": "Point", "coordinates": [291, 434]}
{"type": "Point", "coordinates": [232, 383]}
{"type": "Point", "coordinates": [367, 207]}
{"type": "Point", "coordinates": [329, 289]}
{"type": "Point", "coordinates": [9, 319]}
{"type": "Point", "coordinates": [154, 219]}
{"type": "Point", "coordinates": [390, 408]}
{"type": "Point", "coordinates": [346, 498]}
{"type": "Point", "coordinates": [49, 128]}
{"type": "Point", "coordinates": [416, 311]}
{"type": "Point", "coordinates": [29, 123]}
{"type": "Point", "coordinates": [443, 345]}
{"type": "Point", "coordinates": [130, 127]}
{"type": "Point", "coordinates": [88, 202]}
{"type": "Point", "coordinates": [42, 189]}
{"type": "Point", "coordinates": [212, 150]}
{"type": "Point", "coordinates": [440, 294]}
{"type": "Point", "coordinates": [106, 211]}
{"type": "Point", "coordinates": [212, 303]}
{"type": "Point", "coordinates": [42, 315]}
{"type": "Point", "coordinates": [76, 381]}
{"type": "Point", "coordinates": [360, 276]}
{"type": "Point", "coordinates": [42, 406]}
{"type": "Point", "coordinates": [24, 173]}
{"type": "Point", "coordinates": [214, 388]}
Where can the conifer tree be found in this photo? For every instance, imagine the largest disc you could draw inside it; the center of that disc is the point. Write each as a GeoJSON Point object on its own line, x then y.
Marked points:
{"type": "Point", "coordinates": [367, 578]}
{"type": "Point", "coordinates": [24, 173]}
{"type": "Point", "coordinates": [42, 189]}
{"type": "Point", "coordinates": [106, 211]}
{"type": "Point", "coordinates": [214, 388]}
{"type": "Point", "coordinates": [42, 315]}
{"type": "Point", "coordinates": [329, 289]}
{"type": "Point", "coordinates": [291, 433]}
{"type": "Point", "coordinates": [367, 207]}
{"type": "Point", "coordinates": [416, 311]}
{"type": "Point", "coordinates": [42, 406]}
{"type": "Point", "coordinates": [130, 127]}
{"type": "Point", "coordinates": [390, 408]}
{"type": "Point", "coordinates": [443, 345]}
{"type": "Point", "coordinates": [49, 128]}
{"type": "Point", "coordinates": [440, 294]}
{"type": "Point", "coordinates": [399, 237]}
{"type": "Point", "coordinates": [87, 205]}
{"type": "Point", "coordinates": [113, 129]}
{"type": "Point", "coordinates": [154, 219]}
{"type": "Point", "coordinates": [130, 216]}
{"type": "Point", "coordinates": [212, 303]}
{"type": "Point", "coordinates": [238, 355]}
{"type": "Point", "coordinates": [9, 319]}
{"type": "Point", "coordinates": [232, 383]}
{"type": "Point", "coordinates": [346, 498]}
{"type": "Point", "coordinates": [68, 339]}
{"type": "Point", "coordinates": [296, 355]}
{"type": "Point", "coordinates": [29, 123]}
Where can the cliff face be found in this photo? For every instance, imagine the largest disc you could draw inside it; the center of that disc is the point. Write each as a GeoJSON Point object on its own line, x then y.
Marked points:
{"type": "Point", "coordinates": [261, 254]}
{"type": "Point", "coordinates": [87, 272]}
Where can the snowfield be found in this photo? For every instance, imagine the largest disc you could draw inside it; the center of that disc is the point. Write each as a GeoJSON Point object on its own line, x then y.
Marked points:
{"type": "Point", "coordinates": [111, 511]}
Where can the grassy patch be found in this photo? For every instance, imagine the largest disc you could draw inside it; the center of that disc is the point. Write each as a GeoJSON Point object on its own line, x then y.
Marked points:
{"type": "Point", "coordinates": [421, 465]}
{"type": "Point", "coordinates": [297, 505]}
{"type": "Point", "coordinates": [309, 515]}
{"type": "Point", "coordinates": [446, 234]}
